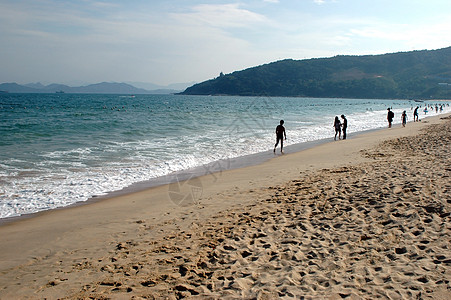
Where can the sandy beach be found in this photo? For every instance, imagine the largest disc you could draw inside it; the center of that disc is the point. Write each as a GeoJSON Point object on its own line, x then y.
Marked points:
{"type": "Point", "coordinates": [364, 218]}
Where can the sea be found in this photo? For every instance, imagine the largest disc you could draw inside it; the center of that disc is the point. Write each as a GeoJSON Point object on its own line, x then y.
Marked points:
{"type": "Point", "coordinates": [58, 150]}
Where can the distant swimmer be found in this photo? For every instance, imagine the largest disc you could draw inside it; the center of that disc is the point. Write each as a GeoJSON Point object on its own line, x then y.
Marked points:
{"type": "Point", "coordinates": [280, 134]}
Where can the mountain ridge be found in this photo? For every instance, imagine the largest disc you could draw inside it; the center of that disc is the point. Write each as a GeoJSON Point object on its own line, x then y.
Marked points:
{"type": "Point", "coordinates": [96, 88]}
{"type": "Point", "coordinates": [421, 74]}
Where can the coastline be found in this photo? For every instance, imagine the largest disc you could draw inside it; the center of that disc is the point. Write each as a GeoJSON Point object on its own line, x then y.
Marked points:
{"type": "Point", "coordinates": [208, 169]}
{"type": "Point", "coordinates": [55, 249]}
{"type": "Point", "coordinates": [62, 174]}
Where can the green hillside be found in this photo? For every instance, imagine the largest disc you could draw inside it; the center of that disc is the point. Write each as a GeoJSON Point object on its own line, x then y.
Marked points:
{"type": "Point", "coordinates": [418, 74]}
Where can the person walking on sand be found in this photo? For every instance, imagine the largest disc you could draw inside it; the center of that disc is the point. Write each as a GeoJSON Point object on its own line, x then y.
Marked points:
{"type": "Point", "coordinates": [280, 133]}
{"type": "Point", "coordinates": [344, 126]}
{"type": "Point", "coordinates": [337, 126]}
{"type": "Point", "coordinates": [390, 116]}
{"type": "Point", "coordinates": [415, 114]}
{"type": "Point", "coordinates": [404, 118]}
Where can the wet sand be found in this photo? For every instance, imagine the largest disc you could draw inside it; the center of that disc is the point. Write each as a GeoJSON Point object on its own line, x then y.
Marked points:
{"type": "Point", "coordinates": [364, 218]}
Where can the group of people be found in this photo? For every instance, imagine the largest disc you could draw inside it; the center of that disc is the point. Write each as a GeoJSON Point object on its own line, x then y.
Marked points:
{"type": "Point", "coordinates": [431, 107]}
{"type": "Point", "coordinates": [339, 127]}
{"type": "Point", "coordinates": [342, 126]}
{"type": "Point", "coordinates": [391, 115]}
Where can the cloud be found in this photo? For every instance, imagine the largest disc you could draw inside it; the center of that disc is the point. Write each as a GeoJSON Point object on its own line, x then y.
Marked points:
{"type": "Point", "coordinates": [78, 43]}
{"type": "Point", "coordinates": [102, 4]}
{"type": "Point", "coordinates": [271, 1]}
{"type": "Point", "coordinates": [225, 16]}
{"type": "Point", "coordinates": [164, 42]}
{"type": "Point", "coordinates": [321, 2]}
{"type": "Point", "coordinates": [377, 36]}
{"type": "Point", "coordinates": [404, 32]}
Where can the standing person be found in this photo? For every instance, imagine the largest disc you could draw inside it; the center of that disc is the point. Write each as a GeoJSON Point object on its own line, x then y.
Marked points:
{"type": "Point", "coordinates": [390, 116]}
{"type": "Point", "coordinates": [415, 114]}
{"type": "Point", "coordinates": [337, 126]}
{"type": "Point", "coordinates": [404, 118]}
{"type": "Point", "coordinates": [344, 126]}
{"type": "Point", "coordinates": [280, 133]}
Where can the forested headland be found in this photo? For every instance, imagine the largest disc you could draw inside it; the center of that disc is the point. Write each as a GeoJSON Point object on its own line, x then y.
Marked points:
{"type": "Point", "coordinates": [422, 74]}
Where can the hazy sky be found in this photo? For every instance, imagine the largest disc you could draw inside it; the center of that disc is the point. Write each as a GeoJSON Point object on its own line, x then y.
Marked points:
{"type": "Point", "coordinates": [172, 41]}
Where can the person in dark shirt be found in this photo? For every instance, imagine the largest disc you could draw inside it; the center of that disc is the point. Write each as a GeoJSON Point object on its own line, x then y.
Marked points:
{"type": "Point", "coordinates": [390, 116]}
{"type": "Point", "coordinates": [280, 134]}
{"type": "Point", "coordinates": [344, 126]}
{"type": "Point", "coordinates": [415, 114]}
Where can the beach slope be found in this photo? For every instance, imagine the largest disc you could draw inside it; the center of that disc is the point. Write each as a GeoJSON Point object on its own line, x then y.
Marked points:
{"type": "Point", "coordinates": [366, 218]}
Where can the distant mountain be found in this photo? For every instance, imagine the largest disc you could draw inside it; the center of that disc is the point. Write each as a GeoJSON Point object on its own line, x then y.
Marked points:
{"type": "Point", "coordinates": [164, 91]}
{"type": "Point", "coordinates": [36, 85]}
{"type": "Point", "coordinates": [98, 88]}
{"type": "Point", "coordinates": [107, 88]}
{"type": "Point", "coordinates": [16, 88]}
{"type": "Point", "coordinates": [156, 87]}
{"type": "Point", "coordinates": [418, 74]}
{"type": "Point", "coordinates": [54, 87]}
{"type": "Point", "coordinates": [180, 86]}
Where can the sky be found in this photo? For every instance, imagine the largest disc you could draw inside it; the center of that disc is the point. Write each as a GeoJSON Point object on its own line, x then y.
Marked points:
{"type": "Point", "coordinates": [175, 41]}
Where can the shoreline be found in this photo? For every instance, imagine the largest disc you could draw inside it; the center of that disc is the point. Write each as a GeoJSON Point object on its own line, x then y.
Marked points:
{"type": "Point", "coordinates": [29, 193]}
{"type": "Point", "coordinates": [204, 170]}
{"type": "Point", "coordinates": [57, 253]}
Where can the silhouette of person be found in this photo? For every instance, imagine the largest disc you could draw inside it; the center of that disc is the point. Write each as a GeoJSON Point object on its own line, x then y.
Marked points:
{"type": "Point", "coordinates": [344, 126]}
{"type": "Point", "coordinates": [390, 116]}
{"type": "Point", "coordinates": [337, 126]}
{"type": "Point", "coordinates": [404, 118]}
{"type": "Point", "coordinates": [280, 133]}
{"type": "Point", "coordinates": [415, 114]}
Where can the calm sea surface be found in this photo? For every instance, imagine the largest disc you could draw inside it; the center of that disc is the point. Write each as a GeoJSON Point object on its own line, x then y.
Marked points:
{"type": "Point", "coordinates": [59, 149]}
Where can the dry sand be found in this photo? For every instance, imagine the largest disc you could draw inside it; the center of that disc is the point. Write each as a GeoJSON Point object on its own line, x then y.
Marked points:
{"type": "Point", "coordinates": [364, 218]}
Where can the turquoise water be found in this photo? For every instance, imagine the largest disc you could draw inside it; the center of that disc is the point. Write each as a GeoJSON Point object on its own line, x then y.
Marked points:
{"type": "Point", "coordinates": [59, 149]}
